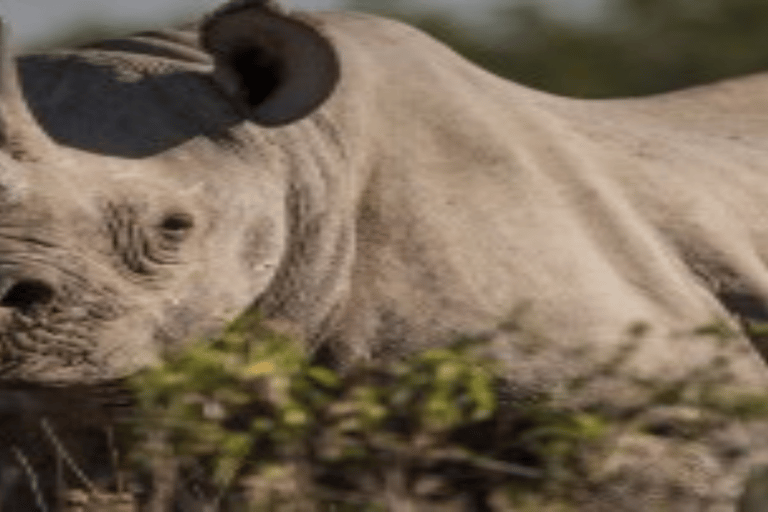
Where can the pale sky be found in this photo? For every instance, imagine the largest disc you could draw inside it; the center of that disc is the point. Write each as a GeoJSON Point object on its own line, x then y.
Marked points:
{"type": "Point", "coordinates": [33, 20]}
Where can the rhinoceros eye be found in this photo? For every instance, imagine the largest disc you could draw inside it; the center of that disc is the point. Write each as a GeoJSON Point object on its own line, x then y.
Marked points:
{"type": "Point", "coordinates": [145, 248]}
{"type": "Point", "coordinates": [175, 226]}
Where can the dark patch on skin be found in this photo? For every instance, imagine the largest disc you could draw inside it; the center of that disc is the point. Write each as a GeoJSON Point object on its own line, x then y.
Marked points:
{"type": "Point", "coordinates": [258, 242]}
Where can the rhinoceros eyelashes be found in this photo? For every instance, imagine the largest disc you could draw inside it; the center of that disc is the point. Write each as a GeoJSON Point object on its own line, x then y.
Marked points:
{"type": "Point", "coordinates": [144, 247]}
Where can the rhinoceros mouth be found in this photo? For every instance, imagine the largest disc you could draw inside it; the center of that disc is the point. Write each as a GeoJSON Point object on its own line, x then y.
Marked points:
{"type": "Point", "coordinates": [58, 338]}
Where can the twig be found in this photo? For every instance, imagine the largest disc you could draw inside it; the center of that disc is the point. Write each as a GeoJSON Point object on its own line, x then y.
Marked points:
{"type": "Point", "coordinates": [60, 488]}
{"type": "Point", "coordinates": [480, 462]}
{"type": "Point", "coordinates": [34, 485]}
{"type": "Point", "coordinates": [395, 488]}
{"type": "Point", "coordinates": [507, 468]}
{"type": "Point", "coordinates": [62, 452]}
{"type": "Point", "coordinates": [351, 497]}
{"type": "Point", "coordinates": [164, 473]}
{"type": "Point", "coordinates": [115, 456]}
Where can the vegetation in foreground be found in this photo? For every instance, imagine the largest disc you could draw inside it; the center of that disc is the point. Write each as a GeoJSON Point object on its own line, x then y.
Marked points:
{"type": "Point", "coordinates": [247, 422]}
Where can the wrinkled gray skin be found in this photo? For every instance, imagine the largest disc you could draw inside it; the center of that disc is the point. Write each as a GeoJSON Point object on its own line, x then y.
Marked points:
{"type": "Point", "coordinates": [351, 175]}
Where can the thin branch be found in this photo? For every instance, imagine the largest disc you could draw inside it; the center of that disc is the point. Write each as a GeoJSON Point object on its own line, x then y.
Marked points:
{"type": "Point", "coordinates": [60, 486]}
{"type": "Point", "coordinates": [115, 456]}
{"type": "Point", "coordinates": [480, 462]}
{"type": "Point", "coordinates": [62, 452]}
{"type": "Point", "coordinates": [395, 488]}
{"type": "Point", "coordinates": [164, 468]}
{"type": "Point", "coordinates": [10, 475]}
{"type": "Point", "coordinates": [457, 455]}
{"type": "Point", "coordinates": [34, 484]}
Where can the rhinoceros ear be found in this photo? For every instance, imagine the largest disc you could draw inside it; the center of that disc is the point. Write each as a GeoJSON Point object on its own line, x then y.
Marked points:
{"type": "Point", "coordinates": [276, 66]}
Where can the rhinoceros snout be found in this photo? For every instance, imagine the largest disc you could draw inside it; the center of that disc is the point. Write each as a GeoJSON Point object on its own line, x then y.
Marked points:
{"type": "Point", "coordinates": [26, 294]}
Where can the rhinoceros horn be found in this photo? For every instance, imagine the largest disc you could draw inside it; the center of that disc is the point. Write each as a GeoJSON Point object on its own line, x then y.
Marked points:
{"type": "Point", "coordinates": [20, 133]}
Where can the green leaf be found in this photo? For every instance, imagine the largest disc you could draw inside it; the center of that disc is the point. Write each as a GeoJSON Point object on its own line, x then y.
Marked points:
{"type": "Point", "coordinates": [448, 372]}
{"type": "Point", "coordinates": [295, 417]}
{"type": "Point", "coordinates": [237, 445]}
{"type": "Point", "coordinates": [324, 376]}
{"type": "Point", "coordinates": [590, 426]}
{"type": "Point", "coordinates": [226, 469]}
{"type": "Point", "coordinates": [482, 392]}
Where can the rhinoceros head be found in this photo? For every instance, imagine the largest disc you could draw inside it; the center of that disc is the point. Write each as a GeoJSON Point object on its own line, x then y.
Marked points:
{"type": "Point", "coordinates": [106, 262]}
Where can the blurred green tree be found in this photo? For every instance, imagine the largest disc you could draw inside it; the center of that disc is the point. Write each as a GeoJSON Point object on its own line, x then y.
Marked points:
{"type": "Point", "coordinates": [637, 47]}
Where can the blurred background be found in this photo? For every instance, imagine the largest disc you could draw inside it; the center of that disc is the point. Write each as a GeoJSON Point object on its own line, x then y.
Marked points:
{"type": "Point", "coordinates": [587, 48]}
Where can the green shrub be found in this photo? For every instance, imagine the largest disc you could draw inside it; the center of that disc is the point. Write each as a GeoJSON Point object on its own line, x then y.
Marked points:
{"type": "Point", "coordinates": [248, 414]}
{"type": "Point", "coordinates": [248, 422]}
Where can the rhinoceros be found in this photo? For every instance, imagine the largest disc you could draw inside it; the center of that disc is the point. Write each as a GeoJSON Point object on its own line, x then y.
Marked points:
{"type": "Point", "coordinates": [360, 180]}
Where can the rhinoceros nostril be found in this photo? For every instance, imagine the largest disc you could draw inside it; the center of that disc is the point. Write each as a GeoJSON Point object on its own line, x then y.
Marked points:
{"type": "Point", "coordinates": [27, 294]}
